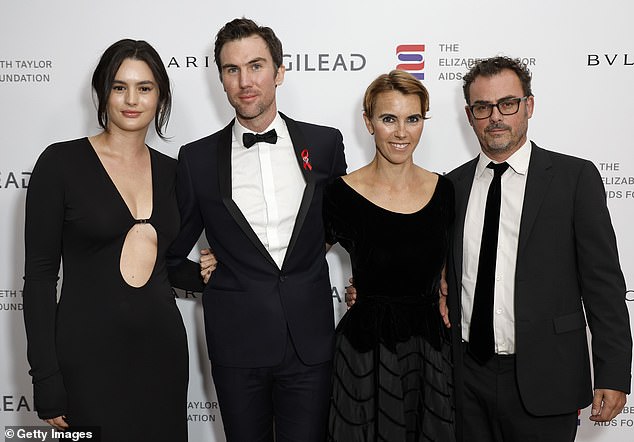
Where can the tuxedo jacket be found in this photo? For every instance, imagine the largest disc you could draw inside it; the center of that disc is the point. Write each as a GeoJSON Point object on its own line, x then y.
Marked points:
{"type": "Point", "coordinates": [250, 304]}
{"type": "Point", "coordinates": [567, 275]}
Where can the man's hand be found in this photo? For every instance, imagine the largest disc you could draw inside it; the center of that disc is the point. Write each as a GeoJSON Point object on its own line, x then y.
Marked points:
{"type": "Point", "coordinates": [442, 302]}
{"type": "Point", "coordinates": [351, 294]}
{"type": "Point", "coordinates": [607, 404]}
{"type": "Point", "coordinates": [208, 264]}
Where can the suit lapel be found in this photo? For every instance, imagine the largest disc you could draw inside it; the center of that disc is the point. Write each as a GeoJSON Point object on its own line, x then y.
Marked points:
{"type": "Point", "coordinates": [224, 183]}
{"type": "Point", "coordinates": [537, 183]}
{"type": "Point", "coordinates": [462, 188]}
{"type": "Point", "coordinates": [300, 146]}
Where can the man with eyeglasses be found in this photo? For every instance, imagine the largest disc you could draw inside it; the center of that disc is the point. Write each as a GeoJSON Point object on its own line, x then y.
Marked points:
{"type": "Point", "coordinates": [534, 257]}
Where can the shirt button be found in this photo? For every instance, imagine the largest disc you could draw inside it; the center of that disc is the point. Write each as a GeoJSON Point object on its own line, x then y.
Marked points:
{"type": "Point", "coordinates": [282, 278]}
{"type": "Point", "coordinates": [499, 311]}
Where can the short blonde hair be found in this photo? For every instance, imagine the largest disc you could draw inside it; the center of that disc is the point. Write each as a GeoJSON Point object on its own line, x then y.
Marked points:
{"type": "Point", "coordinates": [396, 80]}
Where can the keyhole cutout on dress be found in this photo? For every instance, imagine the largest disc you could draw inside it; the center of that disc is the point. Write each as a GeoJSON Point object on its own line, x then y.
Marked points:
{"type": "Point", "coordinates": [133, 184]}
{"type": "Point", "coordinates": [138, 254]}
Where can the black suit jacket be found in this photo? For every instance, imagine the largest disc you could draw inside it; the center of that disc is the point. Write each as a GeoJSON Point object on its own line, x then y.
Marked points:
{"type": "Point", "coordinates": [249, 303]}
{"type": "Point", "coordinates": [567, 265]}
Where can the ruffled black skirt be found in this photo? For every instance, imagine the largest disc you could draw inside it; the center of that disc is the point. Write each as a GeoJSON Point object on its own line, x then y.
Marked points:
{"type": "Point", "coordinates": [393, 380]}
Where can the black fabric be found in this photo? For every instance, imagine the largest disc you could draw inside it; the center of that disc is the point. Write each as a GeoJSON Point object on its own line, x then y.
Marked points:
{"type": "Point", "coordinates": [108, 355]}
{"type": "Point", "coordinates": [481, 344]}
{"type": "Point", "coordinates": [493, 408]}
{"type": "Point", "coordinates": [392, 370]}
{"type": "Point", "coordinates": [249, 139]}
{"type": "Point", "coordinates": [287, 402]}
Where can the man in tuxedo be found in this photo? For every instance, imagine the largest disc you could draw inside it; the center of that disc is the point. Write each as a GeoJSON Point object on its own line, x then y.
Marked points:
{"type": "Point", "coordinates": [534, 260]}
{"type": "Point", "coordinates": [255, 188]}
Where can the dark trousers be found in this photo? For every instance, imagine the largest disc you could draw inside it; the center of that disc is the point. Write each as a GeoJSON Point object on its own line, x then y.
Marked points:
{"type": "Point", "coordinates": [289, 400]}
{"type": "Point", "coordinates": [493, 409]}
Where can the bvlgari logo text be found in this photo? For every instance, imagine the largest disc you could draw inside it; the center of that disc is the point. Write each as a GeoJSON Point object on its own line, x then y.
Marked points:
{"type": "Point", "coordinates": [611, 59]}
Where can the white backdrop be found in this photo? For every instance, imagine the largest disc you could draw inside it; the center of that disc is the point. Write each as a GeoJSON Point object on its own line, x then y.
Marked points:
{"type": "Point", "coordinates": [580, 52]}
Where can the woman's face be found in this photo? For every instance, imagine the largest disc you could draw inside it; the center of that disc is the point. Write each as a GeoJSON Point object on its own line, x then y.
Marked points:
{"type": "Point", "coordinates": [133, 99]}
{"type": "Point", "coordinates": [397, 125]}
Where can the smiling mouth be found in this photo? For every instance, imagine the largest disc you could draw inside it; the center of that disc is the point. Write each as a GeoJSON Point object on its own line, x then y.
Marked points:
{"type": "Point", "coordinates": [399, 146]}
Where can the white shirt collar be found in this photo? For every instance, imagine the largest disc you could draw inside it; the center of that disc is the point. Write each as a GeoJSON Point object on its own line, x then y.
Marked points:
{"type": "Point", "coordinates": [278, 124]}
{"type": "Point", "coordinates": [518, 161]}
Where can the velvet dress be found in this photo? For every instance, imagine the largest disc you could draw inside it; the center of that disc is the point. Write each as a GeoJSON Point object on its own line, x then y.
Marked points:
{"type": "Point", "coordinates": [392, 376]}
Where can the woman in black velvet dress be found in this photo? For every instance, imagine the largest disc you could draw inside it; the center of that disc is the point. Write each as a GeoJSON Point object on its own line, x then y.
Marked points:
{"type": "Point", "coordinates": [392, 377]}
{"type": "Point", "coordinates": [112, 353]}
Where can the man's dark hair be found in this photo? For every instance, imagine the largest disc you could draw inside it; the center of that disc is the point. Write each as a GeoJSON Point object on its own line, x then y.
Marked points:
{"type": "Point", "coordinates": [493, 66]}
{"type": "Point", "coordinates": [240, 28]}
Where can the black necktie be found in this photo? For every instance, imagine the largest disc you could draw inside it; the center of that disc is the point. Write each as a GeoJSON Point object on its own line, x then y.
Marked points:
{"type": "Point", "coordinates": [249, 139]}
{"type": "Point", "coordinates": [481, 344]}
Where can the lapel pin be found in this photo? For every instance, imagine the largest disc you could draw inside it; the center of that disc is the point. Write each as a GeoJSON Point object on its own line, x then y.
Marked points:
{"type": "Point", "coordinates": [306, 160]}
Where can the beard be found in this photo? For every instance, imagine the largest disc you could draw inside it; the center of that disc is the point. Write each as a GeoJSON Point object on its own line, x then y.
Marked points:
{"type": "Point", "coordinates": [499, 143]}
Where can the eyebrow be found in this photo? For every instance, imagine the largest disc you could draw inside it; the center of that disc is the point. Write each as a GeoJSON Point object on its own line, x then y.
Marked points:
{"type": "Point", "coordinates": [255, 60]}
{"type": "Point", "coordinates": [395, 117]}
{"type": "Point", "coordinates": [499, 99]}
{"type": "Point", "coordinates": [143, 82]}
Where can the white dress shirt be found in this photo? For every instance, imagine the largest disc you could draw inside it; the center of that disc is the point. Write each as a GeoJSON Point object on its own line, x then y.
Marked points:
{"type": "Point", "coordinates": [513, 187]}
{"type": "Point", "coordinates": [267, 185]}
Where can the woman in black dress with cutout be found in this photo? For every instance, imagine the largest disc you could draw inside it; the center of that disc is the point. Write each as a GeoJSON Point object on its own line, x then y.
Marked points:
{"type": "Point", "coordinates": [112, 353]}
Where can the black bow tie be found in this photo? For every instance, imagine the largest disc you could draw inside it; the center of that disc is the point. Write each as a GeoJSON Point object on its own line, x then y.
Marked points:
{"type": "Point", "coordinates": [249, 139]}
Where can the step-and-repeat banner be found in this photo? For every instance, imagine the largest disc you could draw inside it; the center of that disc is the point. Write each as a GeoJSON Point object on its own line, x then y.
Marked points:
{"type": "Point", "coordinates": [581, 54]}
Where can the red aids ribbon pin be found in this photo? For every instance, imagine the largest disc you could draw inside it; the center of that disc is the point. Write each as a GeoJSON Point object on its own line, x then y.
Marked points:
{"type": "Point", "coordinates": [306, 160]}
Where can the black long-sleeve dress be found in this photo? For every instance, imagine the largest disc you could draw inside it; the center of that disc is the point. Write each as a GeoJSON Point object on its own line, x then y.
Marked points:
{"type": "Point", "coordinates": [108, 354]}
{"type": "Point", "coordinates": [392, 376]}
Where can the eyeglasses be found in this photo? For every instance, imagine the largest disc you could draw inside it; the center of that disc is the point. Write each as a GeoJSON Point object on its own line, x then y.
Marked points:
{"type": "Point", "coordinates": [510, 106]}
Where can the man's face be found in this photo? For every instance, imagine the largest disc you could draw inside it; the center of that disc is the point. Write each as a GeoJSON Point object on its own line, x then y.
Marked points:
{"type": "Point", "coordinates": [500, 135]}
{"type": "Point", "coordinates": [249, 78]}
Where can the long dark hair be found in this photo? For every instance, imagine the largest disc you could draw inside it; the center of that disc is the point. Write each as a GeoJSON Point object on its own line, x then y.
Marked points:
{"type": "Point", "coordinates": [108, 66]}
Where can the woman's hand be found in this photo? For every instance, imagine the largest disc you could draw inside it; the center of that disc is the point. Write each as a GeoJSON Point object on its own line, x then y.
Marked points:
{"type": "Point", "coordinates": [208, 263]}
{"type": "Point", "coordinates": [57, 422]}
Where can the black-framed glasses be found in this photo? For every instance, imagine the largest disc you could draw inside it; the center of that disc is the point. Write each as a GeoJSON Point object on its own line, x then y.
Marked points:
{"type": "Point", "coordinates": [508, 106]}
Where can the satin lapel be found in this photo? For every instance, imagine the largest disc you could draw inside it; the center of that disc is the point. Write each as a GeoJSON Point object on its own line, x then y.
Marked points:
{"type": "Point", "coordinates": [224, 183]}
{"type": "Point", "coordinates": [462, 189]}
{"type": "Point", "coordinates": [299, 146]}
{"type": "Point", "coordinates": [538, 181]}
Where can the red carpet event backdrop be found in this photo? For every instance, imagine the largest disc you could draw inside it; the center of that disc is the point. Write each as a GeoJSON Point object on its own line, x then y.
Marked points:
{"type": "Point", "coordinates": [581, 55]}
